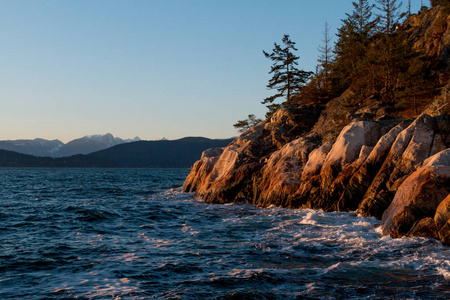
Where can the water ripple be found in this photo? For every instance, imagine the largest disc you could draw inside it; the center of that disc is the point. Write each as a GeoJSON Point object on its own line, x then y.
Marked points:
{"type": "Point", "coordinates": [129, 234]}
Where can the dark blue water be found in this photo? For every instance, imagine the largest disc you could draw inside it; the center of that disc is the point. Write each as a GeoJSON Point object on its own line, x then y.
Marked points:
{"type": "Point", "coordinates": [130, 234]}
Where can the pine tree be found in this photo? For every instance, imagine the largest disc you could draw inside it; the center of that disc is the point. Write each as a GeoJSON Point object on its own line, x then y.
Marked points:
{"type": "Point", "coordinates": [325, 59]}
{"type": "Point", "coordinates": [362, 16]}
{"type": "Point", "coordinates": [390, 54]}
{"type": "Point", "coordinates": [246, 124]}
{"type": "Point", "coordinates": [345, 65]}
{"type": "Point", "coordinates": [389, 15]}
{"type": "Point", "coordinates": [415, 83]}
{"type": "Point", "coordinates": [287, 79]}
{"type": "Point", "coordinates": [352, 46]}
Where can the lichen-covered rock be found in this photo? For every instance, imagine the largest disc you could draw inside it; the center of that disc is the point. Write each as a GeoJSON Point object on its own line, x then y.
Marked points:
{"type": "Point", "coordinates": [419, 195]}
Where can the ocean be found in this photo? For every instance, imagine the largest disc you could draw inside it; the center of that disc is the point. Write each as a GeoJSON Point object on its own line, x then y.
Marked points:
{"type": "Point", "coordinates": [132, 234]}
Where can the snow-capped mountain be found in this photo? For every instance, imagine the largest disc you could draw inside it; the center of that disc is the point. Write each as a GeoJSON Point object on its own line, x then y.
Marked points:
{"type": "Point", "coordinates": [56, 148]}
{"type": "Point", "coordinates": [36, 147]}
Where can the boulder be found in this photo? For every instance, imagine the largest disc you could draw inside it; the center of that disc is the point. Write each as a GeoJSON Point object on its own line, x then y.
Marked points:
{"type": "Point", "coordinates": [419, 196]}
{"type": "Point", "coordinates": [442, 213]}
{"type": "Point", "coordinates": [365, 171]}
{"type": "Point", "coordinates": [228, 176]}
{"type": "Point", "coordinates": [281, 176]}
{"type": "Point", "coordinates": [201, 169]}
{"type": "Point", "coordinates": [343, 159]}
{"type": "Point", "coordinates": [348, 145]}
{"type": "Point", "coordinates": [410, 148]}
{"type": "Point", "coordinates": [442, 220]}
{"type": "Point", "coordinates": [424, 228]}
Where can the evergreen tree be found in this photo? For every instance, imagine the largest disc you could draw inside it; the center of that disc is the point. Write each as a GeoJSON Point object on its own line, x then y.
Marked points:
{"type": "Point", "coordinates": [354, 38]}
{"type": "Point", "coordinates": [362, 16]}
{"type": "Point", "coordinates": [415, 83]}
{"type": "Point", "coordinates": [390, 54]}
{"type": "Point", "coordinates": [246, 124]}
{"type": "Point", "coordinates": [324, 60]}
{"type": "Point", "coordinates": [389, 16]}
{"type": "Point", "coordinates": [287, 79]}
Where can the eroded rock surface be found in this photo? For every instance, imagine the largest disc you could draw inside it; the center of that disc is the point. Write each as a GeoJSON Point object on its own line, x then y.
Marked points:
{"type": "Point", "coordinates": [376, 168]}
{"type": "Point", "coordinates": [229, 176]}
{"type": "Point", "coordinates": [347, 156]}
{"type": "Point", "coordinates": [419, 197]}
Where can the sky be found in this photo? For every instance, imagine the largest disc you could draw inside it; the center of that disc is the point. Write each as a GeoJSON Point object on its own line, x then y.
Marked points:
{"type": "Point", "coordinates": [147, 68]}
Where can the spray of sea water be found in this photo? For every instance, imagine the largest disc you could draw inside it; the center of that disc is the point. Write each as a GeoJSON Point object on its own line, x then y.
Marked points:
{"type": "Point", "coordinates": [131, 234]}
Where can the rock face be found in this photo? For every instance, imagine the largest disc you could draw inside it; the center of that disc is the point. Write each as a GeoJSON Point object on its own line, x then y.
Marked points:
{"type": "Point", "coordinates": [396, 170]}
{"type": "Point", "coordinates": [346, 156]}
{"type": "Point", "coordinates": [418, 198]}
{"type": "Point", "coordinates": [226, 175]}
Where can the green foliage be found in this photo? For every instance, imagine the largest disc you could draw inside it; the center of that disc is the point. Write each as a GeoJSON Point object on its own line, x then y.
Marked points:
{"type": "Point", "coordinates": [246, 124]}
{"type": "Point", "coordinates": [374, 56]}
{"type": "Point", "coordinates": [325, 59]}
{"type": "Point", "coordinates": [351, 62]}
{"type": "Point", "coordinates": [389, 15]}
{"type": "Point", "coordinates": [416, 84]}
{"type": "Point", "coordinates": [287, 79]}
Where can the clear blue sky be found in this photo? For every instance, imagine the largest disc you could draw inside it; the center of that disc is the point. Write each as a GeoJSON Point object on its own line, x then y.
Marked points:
{"type": "Point", "coordinates": [147, 68]}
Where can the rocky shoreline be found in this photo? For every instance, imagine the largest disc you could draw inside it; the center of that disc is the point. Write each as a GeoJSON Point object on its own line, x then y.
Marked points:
{"type": "Point", "coordinates": [350, 154]}
{"type": "Point", "coordinates": [394, 169]}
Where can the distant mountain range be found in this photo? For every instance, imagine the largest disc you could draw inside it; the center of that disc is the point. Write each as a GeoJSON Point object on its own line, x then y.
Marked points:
{"type": "Point", "coordinates": [163, 153]}
{"type": "Point", "coordinates": [56, 148]}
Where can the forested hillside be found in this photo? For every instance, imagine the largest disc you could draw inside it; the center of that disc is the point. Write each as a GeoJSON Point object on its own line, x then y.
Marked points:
{"type": "Point", "coordinates": [385, 53]}
{"type": "Point", "coordinates": [370, 131]}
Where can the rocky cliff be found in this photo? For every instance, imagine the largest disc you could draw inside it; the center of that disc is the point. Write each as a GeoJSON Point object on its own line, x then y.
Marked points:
{"type": "Point", "coordinates": [340, 157]}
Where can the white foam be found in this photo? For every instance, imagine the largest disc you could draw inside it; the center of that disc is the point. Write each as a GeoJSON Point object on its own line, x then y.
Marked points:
{"type": "Point", "coordinates": [363, 224]}
{"type": "Point", "coordinates": [308, 219]}
{"type": "Point", "coordinates": [379, 230]}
